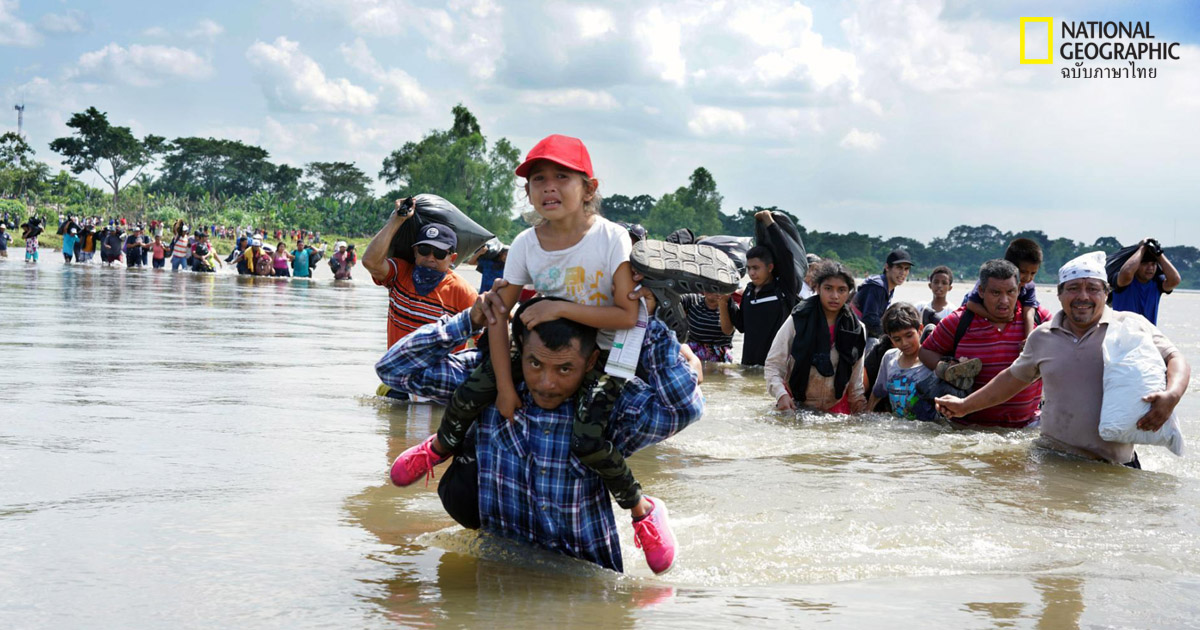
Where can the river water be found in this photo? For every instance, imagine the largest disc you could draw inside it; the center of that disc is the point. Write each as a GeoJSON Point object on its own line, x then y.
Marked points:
{"type": "Point", "coordinates": [183, 451]}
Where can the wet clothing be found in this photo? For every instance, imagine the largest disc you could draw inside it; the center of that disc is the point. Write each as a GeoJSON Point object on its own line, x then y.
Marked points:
{"type": "Point", "coordinates": [899, 385]}
{"type": "Point", "coordinates": [302, 262]}
{"type": "Point", "coordinates": [31, 249]}
{"type": "Point", "coordinates": [997, 349]}
{"type": "Point", "coordinates": [69, 243]}
{"type": "Point", "coordinates": [531, 489]}
{"type": "Point", "coordinates": [834, 378]}
{"type": "Point", "coordinates": [345, 262]}
{"type": "Point", "coordinates": [871, 301]}
{"type": "Point", "coordinates": [5, 239]}
{"type": "Point", "coordinates": [762, 311]}
{"type": "Point", "coordinates": [1141, 297]}
{"type": "Point", "coordinates": [1072, 371]}
{"type": "Point", "coordinates": [409, 310]}
{"type": "Point", "coordinates": [705, 334]}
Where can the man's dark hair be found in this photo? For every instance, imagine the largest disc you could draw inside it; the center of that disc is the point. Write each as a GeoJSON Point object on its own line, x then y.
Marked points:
{"type": "Point", "coordinates": [556, 334]}
{"type": "Point", "coordinates": [942, 269]}
{"type": "Point", "coordinates": [998, 269]}
{"type": "Point", "coordinates": [900, 316]}
{"type": "Point", "coordinates": [761, 252]}
{"type": "Point", "coordinates": [1023, 250]}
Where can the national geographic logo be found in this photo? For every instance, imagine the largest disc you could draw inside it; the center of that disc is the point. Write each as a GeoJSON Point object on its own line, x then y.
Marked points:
{"type": "Point", "coordinates": [1095, 41]}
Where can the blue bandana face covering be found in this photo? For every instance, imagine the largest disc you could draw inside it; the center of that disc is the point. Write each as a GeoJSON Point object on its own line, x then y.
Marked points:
{"type": "Point", "coordinates": [426, 279]}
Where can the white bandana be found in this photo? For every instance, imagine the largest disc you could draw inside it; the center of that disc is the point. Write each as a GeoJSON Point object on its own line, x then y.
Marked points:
{"type": "Point", "coordinates": [1090, 265]}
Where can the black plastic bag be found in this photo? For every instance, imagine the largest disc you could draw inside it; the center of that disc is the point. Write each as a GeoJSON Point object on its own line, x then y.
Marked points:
{"type": "Point", "coordinates": [734, 246]}
{"type": "Point", "coordinates": [682, 236]}
{"type": "Point", "coordinates": [791, 240]}
{"type": "Point", "coordinates": [434, 209]}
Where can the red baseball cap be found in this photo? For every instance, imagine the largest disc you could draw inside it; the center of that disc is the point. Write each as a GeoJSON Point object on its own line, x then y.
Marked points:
{"type": "Point", "coordinates": [562, 150]}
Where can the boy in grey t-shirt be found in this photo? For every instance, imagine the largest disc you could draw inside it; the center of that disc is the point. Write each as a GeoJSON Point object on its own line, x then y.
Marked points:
{"type": "Point", "coordinates": [901, 370]}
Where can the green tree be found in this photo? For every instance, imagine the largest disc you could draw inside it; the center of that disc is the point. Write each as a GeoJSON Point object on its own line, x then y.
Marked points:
{"type": "Point", "coordinates": [17, 166]}
{"type": "Point", "coordinates": [221, 168]}
{"type": "Point", "coordinates": [111, 152]}
{"type": "Point", "coordinates": [627, 209]}
{"type": "Point", "coordinates": [341, 181]}
{"type": "Point", "coordinates": [456, 164]}
{"type": "Point", "coordinates": [702, 197]}
{"type": "Point", "coordinates": [670, 214]}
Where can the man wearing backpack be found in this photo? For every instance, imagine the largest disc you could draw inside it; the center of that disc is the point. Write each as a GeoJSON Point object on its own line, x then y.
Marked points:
{"type": "Point", "coordinates": [995, 340]}
{"type": "Point", "coordinates": [1067, 355]}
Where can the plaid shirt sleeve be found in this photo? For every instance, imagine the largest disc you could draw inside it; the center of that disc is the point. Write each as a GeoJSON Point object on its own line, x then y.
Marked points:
{"type": "Point", "coordinates": [649, 412]}
{"type": "Point", "coordinates": [424, 362]}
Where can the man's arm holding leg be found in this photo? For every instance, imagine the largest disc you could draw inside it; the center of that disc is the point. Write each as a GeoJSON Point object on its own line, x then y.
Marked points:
{"type": "Point", "coordinates": [998, 390]}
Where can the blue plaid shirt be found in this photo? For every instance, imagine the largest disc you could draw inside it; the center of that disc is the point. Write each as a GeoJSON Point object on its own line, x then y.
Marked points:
{"type": "Point", "coordinates": [530, 487]}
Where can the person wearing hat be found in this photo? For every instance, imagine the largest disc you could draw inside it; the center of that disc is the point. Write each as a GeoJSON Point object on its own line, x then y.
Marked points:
{"type": "Point", "coordinates": [875, 293]}
{"type": "Point", "coordinates": [5, 239]}
{"type": "Point", "coordinates": [423, 290]}
{"type": "Point", "coordinates": [343, 261]}
{"type": "Point", "coordinates": [969, 351]}
{"type": "Point", "coordinates": [136, 245]}
{"type": "Point", "coordinates": [248, 259]}
{"type": "Point", "coordinates": [70, 241]}
{"type": "Point", "coordinates": [1066, 356]}
{"type": "Point", "coordinates": [181, 246]}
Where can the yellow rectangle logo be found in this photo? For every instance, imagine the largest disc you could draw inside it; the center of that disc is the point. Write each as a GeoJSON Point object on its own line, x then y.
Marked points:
{"type": "Point", "coordinates": [1049, 22]}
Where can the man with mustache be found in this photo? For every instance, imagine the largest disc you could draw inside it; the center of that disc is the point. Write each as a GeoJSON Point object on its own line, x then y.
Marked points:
{"type": "Point", "coordinates": [1066, 354]}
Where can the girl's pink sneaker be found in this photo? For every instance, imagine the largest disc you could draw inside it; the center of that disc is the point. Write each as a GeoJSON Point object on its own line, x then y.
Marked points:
{"type": "Point", "coordinates": [416, 462]}
{"type": "Point", "coordinates": [654, 537]}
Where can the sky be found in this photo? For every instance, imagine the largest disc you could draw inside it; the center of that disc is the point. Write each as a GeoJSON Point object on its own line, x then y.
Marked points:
{"type": "Point", "coordinates": [885, 117]}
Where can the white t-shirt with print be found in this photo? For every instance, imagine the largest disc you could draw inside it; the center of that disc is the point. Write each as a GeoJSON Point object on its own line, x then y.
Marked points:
{"type": "Point", "coordinates": [582, 273]}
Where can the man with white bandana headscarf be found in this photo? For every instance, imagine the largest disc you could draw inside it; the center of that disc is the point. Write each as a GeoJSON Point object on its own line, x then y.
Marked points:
{"type": "Point", "coordinates": [1065, 353]}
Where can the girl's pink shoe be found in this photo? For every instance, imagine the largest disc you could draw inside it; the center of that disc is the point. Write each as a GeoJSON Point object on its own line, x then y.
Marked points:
{"type": "Point", "coordinates": [654, 537]}
{"type": "Point", "coordinates": [416, 462]}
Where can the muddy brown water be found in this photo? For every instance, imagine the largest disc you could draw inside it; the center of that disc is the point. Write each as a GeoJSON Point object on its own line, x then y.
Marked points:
{"type": "Point", "coordinates": [182, 450]}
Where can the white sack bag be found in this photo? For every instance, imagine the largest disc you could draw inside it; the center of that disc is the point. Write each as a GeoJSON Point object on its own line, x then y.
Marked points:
{"type": "Point", "coordinates": [1133, 368]}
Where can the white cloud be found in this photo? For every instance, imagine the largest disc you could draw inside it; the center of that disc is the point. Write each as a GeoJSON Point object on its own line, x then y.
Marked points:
{"type": "Point", "coordinates": [73, 21]}
{"type": "Point", "coordinates": [156, 32]}
{"type": "Point", "coordinates": [206, 29]}
{"type": "Point", "coordinates": [906, 38]}
{"type": "Point", "coordinates": [468, 33]}
{"type": "Point", "coordinates": [662, 38]}
{"type": "Point", "coordinates": [140, 65]}
{"type": "Point", "coordinates": [712, 121]}
{"type": "Point", "coordinates": [401, 91]}
{"type": "Point", "coordinates": [593, 22]}
{"type": "Point", "coordinates": [13, 30]}
{"type": "Point", "coordinates": [862, 140]}
{"type": "Point", "coordinates": [573, 98]}
{"type": "Point", "coordinates": [292, 81]}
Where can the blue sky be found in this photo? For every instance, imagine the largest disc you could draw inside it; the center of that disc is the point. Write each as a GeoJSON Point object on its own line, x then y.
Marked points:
{"type": "Point", "coordinates": [889, 117]}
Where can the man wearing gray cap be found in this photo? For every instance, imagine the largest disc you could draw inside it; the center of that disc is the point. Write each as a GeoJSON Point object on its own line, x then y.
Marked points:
{"type": "Point", "coordinates": [1066, 354]}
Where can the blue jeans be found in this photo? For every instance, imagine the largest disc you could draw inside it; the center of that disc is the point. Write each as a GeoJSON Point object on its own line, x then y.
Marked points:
{"type": "Point", "coordinates": [177, 262]}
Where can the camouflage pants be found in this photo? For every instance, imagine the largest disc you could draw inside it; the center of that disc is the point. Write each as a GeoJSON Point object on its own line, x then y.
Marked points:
{"type": "Point", "coordinates": [596, 400]}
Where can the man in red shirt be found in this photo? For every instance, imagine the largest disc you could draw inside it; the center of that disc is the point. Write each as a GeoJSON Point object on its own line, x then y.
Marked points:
{"type": "Point", "coordinates": [996, 340]}
{"type": "Point", "coordinates": [421, 291]}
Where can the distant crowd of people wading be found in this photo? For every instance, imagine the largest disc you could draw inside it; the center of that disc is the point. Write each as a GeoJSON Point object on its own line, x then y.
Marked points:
{"type": "Point", "coordinates": [606, 350]}
{"type": "Point", "coordinates": [118, 241]}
